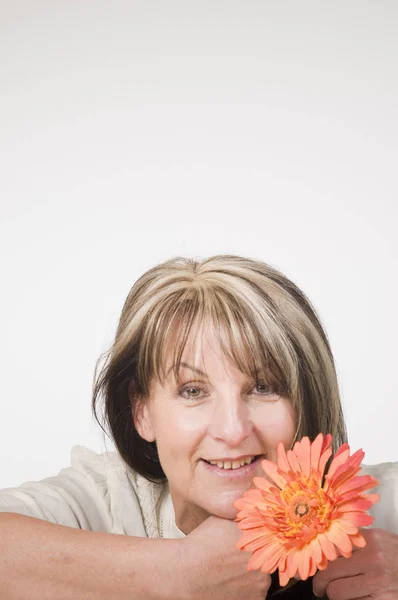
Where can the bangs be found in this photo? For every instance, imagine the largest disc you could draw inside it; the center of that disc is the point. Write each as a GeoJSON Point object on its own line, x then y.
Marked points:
{"type": "Point", "coordinates": [251, 339]}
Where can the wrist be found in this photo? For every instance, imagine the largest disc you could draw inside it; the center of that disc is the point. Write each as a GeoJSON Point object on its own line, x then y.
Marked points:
{"type": "Point", "coordinates": [176, 578]}
{"type": "Point", "coordinates": [163, 570]}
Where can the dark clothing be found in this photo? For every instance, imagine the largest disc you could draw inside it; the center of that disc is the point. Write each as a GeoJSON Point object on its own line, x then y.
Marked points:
{"type": "Point", "coordinates": [301, 590]}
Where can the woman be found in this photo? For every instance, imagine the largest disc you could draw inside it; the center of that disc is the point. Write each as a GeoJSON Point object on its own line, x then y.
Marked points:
{"type": "Point", "coordinates": [214, 363]}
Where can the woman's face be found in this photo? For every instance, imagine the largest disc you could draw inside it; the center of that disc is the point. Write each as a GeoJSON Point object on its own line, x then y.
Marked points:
{"type": "Point", "coordinates": [212, 414]}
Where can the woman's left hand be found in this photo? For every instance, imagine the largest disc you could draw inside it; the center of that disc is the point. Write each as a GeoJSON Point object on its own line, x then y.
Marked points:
{"type": "Point", "coordinates": [371, 572]}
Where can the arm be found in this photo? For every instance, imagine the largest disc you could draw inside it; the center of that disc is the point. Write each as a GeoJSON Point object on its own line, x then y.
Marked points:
{"type": "Point", "coordinates": [41, 561]}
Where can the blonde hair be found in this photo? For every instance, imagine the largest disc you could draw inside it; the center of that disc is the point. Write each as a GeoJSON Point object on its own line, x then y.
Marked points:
{"type": "Point", "coordinates": [264, 322]}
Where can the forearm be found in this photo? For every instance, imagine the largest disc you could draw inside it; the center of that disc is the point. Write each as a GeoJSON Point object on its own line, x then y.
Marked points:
{"type": "Point", "coordinates": [43, 561]}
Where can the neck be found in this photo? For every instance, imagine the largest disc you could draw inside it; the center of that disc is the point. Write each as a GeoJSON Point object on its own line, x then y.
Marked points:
{"type": "Point", "coordinates": [188, 516]}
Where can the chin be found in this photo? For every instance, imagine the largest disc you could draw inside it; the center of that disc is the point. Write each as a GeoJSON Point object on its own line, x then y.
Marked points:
{"type": "Point", "coordinates": [225, 513]}
{"type": "Point", "coordinates": [224, 507]}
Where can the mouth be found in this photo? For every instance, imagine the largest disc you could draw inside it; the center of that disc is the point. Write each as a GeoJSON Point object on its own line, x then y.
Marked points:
{"type": "Point", "coordinates": [242, 463]}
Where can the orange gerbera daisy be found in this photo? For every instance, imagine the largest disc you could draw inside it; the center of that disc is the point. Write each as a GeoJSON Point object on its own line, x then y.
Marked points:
{"type": "Point", "coordinates": [298, 522]}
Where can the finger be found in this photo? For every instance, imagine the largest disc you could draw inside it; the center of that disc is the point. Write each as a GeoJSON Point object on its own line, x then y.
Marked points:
{"type": "Point", "coordinates": [341, 567]}
{"type": "Point", "coordinates": [325, 572]}
{"type": "Point", "coordinates": [343, 588]}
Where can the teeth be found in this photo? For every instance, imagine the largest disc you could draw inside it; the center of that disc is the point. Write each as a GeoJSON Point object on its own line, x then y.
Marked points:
{"type": "Point", "coordinates": [235, 464]}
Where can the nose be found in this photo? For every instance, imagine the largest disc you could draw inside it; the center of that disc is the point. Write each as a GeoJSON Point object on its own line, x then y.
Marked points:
{"type": "Point", "coordinates": [230, 422]}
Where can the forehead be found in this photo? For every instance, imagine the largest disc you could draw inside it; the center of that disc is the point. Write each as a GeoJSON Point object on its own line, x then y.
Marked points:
{"type": "Point", "coordinates": [208, 349]}
{"type": "Point", "coordinates": [200, 344]}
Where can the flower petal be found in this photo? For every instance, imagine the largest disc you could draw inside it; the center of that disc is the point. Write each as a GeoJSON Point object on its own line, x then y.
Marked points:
{"type": "Point", "coordinates": [373, 497]}
{"type": "Point", "coordinates": [249, 502]}
{"type": "Point", "coordinates": [305, 456]}
{"type": "Point", "coordinates": [348, 527]}
{"type": "Point", "coordinates": [326, 442]}
{"type": "Point", "coordinates": [266, 557]}
{"type": "Point", "coordinates": [283, 463]}
{"type": "Point", "coordinates": [342, 475]}
{"type": "Point", "coordinates": [313, 567]}
{"type": "Point", "coordinates": [273, 472]}
{"type": "Point", "coordinates": [263, 484]}
{"type": "Point", "coordinates": [254, 543]}
{"type": "Point", "coordinates": [346, 554]}
{"type": "Point", "coordinates": [294, 462]}
{"type": "Point", "coordinates": [360, 519]}
{"type": "Point", "coordinates": [358, 540]}
{"type": "Point", "coordinates": [340, 458]}
{"type": "Point", "coordinates": [316, 448]}
{"type": "Point", "coordinates": [359, 483]}
{"type": "Point", "coordinates": [349, 496]}
{"type": "Point", "coordinates": [328, 549]}
{"type": "Point", "coordinates": [251, 523]}
{"type": "Point", "coordinates": [342, 450]}
{"type": "Point", "coordinates": [304, 563]}
{"type": "Point", "coordinates": [324, 459]}
{"type": "Point", "coordinates": [274, 500]}
{"type": "Point", "coordinates": [322, 565]}
{"type": "Point", "coordinates": [283, 578]}
{"type": "Point", "coordinates": [253, 535]}
{"type": "Point", "coordinates": [354, 505]}
{"type": "Point", "coordinates": [291, 563]}
{"type": "Point", "coordinates": [316, 550]}
{"type": "Point", "coordinates": [282, 562]}
{"type": "Point", "coordinates": [339, 538]}
{"type": "Point", "coordinates": [353, 463]}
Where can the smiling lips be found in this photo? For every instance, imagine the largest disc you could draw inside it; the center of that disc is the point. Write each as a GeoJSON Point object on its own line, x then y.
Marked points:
{"type": "Point", "coordinates": [233, 463]}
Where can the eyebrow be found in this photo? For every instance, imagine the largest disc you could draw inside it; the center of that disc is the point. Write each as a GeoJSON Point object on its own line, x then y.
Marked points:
{"type": "Point", "coordinates": [188, 366]}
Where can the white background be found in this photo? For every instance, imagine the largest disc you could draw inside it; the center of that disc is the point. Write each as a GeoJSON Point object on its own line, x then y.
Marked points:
{"type": "Point", "coordinates": [131, 132]}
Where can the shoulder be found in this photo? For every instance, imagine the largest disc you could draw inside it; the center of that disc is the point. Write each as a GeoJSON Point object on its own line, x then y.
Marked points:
{"type": "Point", "coordinates": [134, 500]}
{"type": "Point", "coordinates": [384, 470]}
{"type": "Point", "coordinates": [385, 511]}
{"type": "Point", "coordinates": [97, 492]}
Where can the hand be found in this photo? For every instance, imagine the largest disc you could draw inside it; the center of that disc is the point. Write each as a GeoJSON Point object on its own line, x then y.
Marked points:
{"type": "Point", "coordinates": [213, 569]}
{"type": "Point", "coordinates": [371, 572]}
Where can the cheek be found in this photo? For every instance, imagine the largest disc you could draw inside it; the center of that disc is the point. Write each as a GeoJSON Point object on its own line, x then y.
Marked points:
{"type": "Point", "coordinates": [278, 424]}
{"type": "Point", "coordinates": [178, 434]}
{"type": "Point", "coordinates": [184, 421]}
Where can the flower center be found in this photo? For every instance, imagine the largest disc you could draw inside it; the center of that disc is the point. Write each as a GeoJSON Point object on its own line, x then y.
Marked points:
{"type": "Point", "coordinates": [307, 510]}
{"type": "Point", "coordinates": [301, 509]}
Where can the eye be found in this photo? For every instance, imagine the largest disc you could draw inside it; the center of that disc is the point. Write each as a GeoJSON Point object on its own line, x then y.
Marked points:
{"type": "Point", "coordinates": [191, 392]}
{"type": "Point", "coordinates": [264, 389]}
